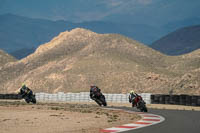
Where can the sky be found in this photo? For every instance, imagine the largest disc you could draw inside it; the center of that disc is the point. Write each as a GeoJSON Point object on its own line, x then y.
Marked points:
{"type": "Point", "coordinates": [151, 12]}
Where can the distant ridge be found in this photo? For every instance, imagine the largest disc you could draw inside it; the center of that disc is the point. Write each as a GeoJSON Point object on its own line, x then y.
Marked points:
{"type": "Point", "coordinates": [181, 41]}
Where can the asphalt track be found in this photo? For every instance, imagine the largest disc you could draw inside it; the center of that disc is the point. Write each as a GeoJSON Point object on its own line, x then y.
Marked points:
{"type": "Point", "coordinates": [176, 121]}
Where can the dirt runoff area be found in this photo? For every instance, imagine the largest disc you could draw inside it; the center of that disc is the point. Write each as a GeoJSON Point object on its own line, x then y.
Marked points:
{"type": "Point", "coordinates": [19, 117]}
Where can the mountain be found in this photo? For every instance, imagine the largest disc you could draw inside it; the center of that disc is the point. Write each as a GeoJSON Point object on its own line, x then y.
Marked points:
{"type": "Point", "coordinates": [5, 58]}
{"type": "Point", "coordinates": [17, 32]}
{"type": "Point", "coordinates": [76, 59]}
{"type": "Point", "coordinates": [179, 42]}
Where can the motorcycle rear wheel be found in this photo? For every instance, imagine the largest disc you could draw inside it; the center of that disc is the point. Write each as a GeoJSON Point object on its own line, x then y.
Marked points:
{"type": "Point", "coordinates": [145, 109]}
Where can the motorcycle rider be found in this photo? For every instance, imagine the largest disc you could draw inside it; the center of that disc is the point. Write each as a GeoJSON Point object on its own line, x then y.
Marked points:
{"type": "Point", "coordinates": [132, 97]}
{"type": "Point", "coordinates": [24, 90]}
{"type": "Point", "coordinates": [95, 92]}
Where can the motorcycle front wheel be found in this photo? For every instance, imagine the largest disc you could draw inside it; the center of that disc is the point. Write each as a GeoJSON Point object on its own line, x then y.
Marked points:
{"type": "Point", "coordinates": [98, 102]}
{"type": "Point", "coordinates": [33, 99]}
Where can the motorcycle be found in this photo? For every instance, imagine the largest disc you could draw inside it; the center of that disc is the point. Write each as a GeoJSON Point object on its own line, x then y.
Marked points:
{"type": "Point", "coordinates": [140, 104]}
{"type": "Point", "coordinates": [28, 97]}
{"type": "Point", "coordinates": [99, 98]}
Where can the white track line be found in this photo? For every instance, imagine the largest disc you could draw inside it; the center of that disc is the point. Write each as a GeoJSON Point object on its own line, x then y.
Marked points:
{"type": "Point", "coordinates": [147, 120]}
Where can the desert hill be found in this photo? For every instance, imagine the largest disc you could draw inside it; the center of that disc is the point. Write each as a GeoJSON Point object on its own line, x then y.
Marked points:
{"type": "Point", "coordinates": [181, 41]}
{"type": "Point", "coordinates": [76, 59]}
{"type": "Point", "coordinates": [5, 58]}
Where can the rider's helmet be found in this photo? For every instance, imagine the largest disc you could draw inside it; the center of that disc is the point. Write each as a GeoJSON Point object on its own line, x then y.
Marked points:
{"type": "Point", "coordinates": [132, 92]}
{"type": "Point", "coordinates": [23, 86]}
{"type": "Point", "coordinates": [91, 86]}
{"type": "Point", "coordinates": [94, 88]}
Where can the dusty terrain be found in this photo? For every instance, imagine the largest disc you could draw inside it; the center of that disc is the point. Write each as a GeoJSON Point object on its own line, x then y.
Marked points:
{"type": "Point", "coordinates": [59, 118]}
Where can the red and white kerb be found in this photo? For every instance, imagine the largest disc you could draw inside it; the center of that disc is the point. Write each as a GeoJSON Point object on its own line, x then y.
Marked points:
{"type": "Point", "coordinates": [147, 120]}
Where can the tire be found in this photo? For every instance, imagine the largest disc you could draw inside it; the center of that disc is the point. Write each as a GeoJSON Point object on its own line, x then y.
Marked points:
{"type": "Point", "coordinates": [104, 103]}
{"type": "Point", "coordinates": [177, 99]}
{"type": "Point", "coordinates": [194, 100]}
{"type": "Point", "coordinates": [152, 99]}
{"type": "Point", "coordinates": [145, 109]}
{"type": "Point", "coordinates": [182, 99]}
{"type": "Point", "coordinates": [142, 106]}
{"type": "Point", "coordinates": [167, 99]}
{"type": "Point", "coordinates": [98, 102]}
{"type": "Point", "coordinates": [188, 100]}
{"type": "Point", "coordinates": [33, 100]}
{"type": "Point", "coordinates": [198, 101]}
{"type": "Point", "coordinates": [162, 99]}
{"type": "Point", "coordinates": [27, 100]}
{"type": "Point", "coordinates": [103, 100]}
{"type": "Point", "coordinates": [156, 99]}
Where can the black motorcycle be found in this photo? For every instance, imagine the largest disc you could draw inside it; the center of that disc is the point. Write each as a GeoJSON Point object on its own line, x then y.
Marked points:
{"type": "Point", "coordinates": [28, 97]}
{"type": "Point", "coordinates": [140, 104]}
{"type": "Point", "coordinates": [99, 98]}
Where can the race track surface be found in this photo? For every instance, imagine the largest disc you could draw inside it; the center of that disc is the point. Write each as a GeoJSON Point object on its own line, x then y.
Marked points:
{"type": "Point", "coordinates": [176, 121]}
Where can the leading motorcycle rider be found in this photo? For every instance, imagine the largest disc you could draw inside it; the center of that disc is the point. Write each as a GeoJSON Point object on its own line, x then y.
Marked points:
{"type": "Point", "coordinates": [24, 90]}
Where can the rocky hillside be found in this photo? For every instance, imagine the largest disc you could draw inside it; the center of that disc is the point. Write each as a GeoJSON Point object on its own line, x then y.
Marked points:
{"type": "Point", "coordinates": [187, 66]}
{"type": "Point", "coordinates": [76, 59]}
{"type": "Point", "coordinates": [5, 58]}
{"type": "Point", "coordinates": [179, 42]}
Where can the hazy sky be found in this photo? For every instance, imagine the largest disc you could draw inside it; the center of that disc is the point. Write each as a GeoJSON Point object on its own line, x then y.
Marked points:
{"type": "Point", "coordinates": [152, 12]}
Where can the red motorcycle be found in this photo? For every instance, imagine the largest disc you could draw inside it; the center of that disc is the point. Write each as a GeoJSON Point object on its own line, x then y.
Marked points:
{"type": "Point", "coordinates": [140, 103]}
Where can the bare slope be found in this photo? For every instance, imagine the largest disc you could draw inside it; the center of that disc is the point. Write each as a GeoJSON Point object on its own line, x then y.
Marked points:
{"type": "Point", "coordinates": [74, 60]}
